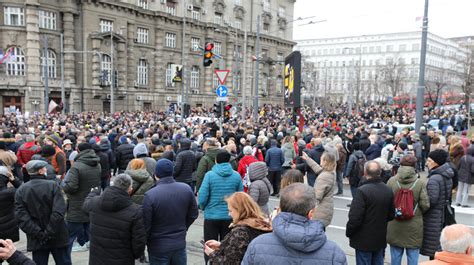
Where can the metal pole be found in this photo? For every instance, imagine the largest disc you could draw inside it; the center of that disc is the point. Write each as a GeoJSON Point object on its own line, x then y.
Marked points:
{"type": "Point", "coordinates": [421, 80]}
{"type": "Point", "coordinates": [46, 74]}
{"type": "Point", "coordinates": [112, 76]}
{"type": "Point", "coordinates": [184, 89]}
{"type": "Point", "coordinates": [314, 89]}
{"type": "Point", "coordinates": [63, 93]}
{"type": "Point", "coordinates": [257, 66]}
{"type": "Point", "coordinates": [244, 77]}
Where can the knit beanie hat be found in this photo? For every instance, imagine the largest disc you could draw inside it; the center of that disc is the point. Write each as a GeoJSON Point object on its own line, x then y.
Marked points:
{"type": "Point", "coordinates": [54, 138]}
{"type": "Point", "coordinates": [439, 156]}
{"type": "Point", "coordinates": [140, 149]}
{"type": "Point", "coordinates": [257, 170]}
{"type": "Point", "coordinates": [408, 160]}
{"type": "Point", "coordinates": [222, 157]}
{"type": "Point", "coordinates": [164, 168]}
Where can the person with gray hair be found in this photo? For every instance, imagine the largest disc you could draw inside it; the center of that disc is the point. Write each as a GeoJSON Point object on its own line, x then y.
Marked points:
{"type": "Point", "coordinates": [117, 230]}
{"type": "Point", "coordinates": [295, 239]}
{"type": "Point", "coordinates": [371, 209]}
{"type": "Point", "coordinates": [244, 164]}
{"type": "Point", "coordinates": [457, 243]}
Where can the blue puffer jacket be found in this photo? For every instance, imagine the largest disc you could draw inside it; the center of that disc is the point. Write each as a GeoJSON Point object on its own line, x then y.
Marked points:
{"type": "Point", "coordinates": [294, 240]}
{"type": "Point", "coordinates": [220, 182]}
{"type": "Point", "coordinates": [274, 159]}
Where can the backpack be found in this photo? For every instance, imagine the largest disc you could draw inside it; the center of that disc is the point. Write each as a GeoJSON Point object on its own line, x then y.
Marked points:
{"type": "Point", "coordinates": [357, 171]}
{"type": "Point", "coordinates": [403, 202]}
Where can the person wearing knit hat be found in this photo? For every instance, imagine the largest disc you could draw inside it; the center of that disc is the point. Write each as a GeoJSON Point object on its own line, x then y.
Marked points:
{"type": "Point", "coordinates": [439, 187]}
{"type": "Point", "coordinates": [141, 151]}
{"type": "Point", "coordinates": [169, 209]}
{"type": "Point", "coordinates": [260, 188]}
{"type": "Point", "coordinates": [58, 160]}
{"type": "Point", "coordinates": [218, 183]}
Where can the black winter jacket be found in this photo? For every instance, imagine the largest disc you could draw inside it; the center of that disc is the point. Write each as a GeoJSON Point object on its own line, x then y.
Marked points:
{"type": "Point", "coordinates": [117, 230]}
{"type": "Point", "coordinates": [466, 167]}
{"type": "Point", "coordinates": [371, 210]}
{"type": "Point", "coordinates": [185, 163]}
{"type": "Point", "coordinates": [433, 219]}
{"type": "Point", "coordinates": [104, 161]}
{"type": "Point", "coordinates": [315, 153]}
{"type": "Point", "coordinates": [39, 212]}
{"type": "Point", "coordinates": [8, 225]}
{"type": "Point", "coordinates": [123, 155]}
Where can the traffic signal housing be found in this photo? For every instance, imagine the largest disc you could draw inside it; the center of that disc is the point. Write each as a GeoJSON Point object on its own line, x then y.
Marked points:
{"type": "Point", "coordinates": [217, 109]}
{"type": "Point", "coordinates": [227, 112]}
{"type": "Point", "coordinates": [208, 54]}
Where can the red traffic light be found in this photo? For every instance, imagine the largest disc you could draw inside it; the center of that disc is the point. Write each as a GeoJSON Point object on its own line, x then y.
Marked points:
{"type": "Point", "coordinates": [228, 107]}
{"type": "Point", "coordinates": [209, 46]}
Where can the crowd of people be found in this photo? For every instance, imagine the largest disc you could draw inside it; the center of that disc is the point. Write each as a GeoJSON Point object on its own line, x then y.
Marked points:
{"type": "Point", "coordinates": [115, 185]}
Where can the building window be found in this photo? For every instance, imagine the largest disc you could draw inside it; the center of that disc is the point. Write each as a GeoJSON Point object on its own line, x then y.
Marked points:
{"type": "Point", "coordinates": [281, 11]}
{"type": "Point", "coordinates": [14, 16]}
{"type": "Point", "coordinates": [195, 77]}
{"type": "Point", "coordinates": [142, 72]}
{"type": "Point", "coordinates": [281, 33]}
{"type": "Point", "coordinates": [142, 35]}
{"type": "Point", "coordinates": [266, 27]}
{"type": "Point", "coordinates": [195, 44]}
{"type": "Point", "coordinates": [170, 40]}
{"type": "Point", "coordinates": [238, 23]}
{"type": "Point", "coordinates": [389, 48]}
{"type": "Point", "coordinates": [218, 48]}
{"type": "Point", "coordinates": [266, 5]}
{"type": "Point", "coordinates": [264, 83]}
{"type": "Point", "coordinates": [106, 25]}
{"type": "Point", "coordinates": [218, 19]}
{"type": "Point", "coordinates": [47, 19]}
{"type": "Point", "coordinates": [107, 67]}
{"type": "Point", "coordinates": [143, 4]}
{"type": "Point", "coordinates": [169, 75]}
{"type": "Point", "coordinates": [215, 80]}
{"type": "Point", "coordinates": [196, 13]}
{"type": "Point", "coordinates": [279, 86]}
{"type": "Point", "coordinates": [279, 57]}
{"type": "Point", "coordinates": [402, 47]}
{"type": "Point", "coordinates": [237, 79]}
{"type": "Point", "coordinates": [51, 59]}
{"type": "Point", "coordinates": [415, 47]}
{"type": "Point", "coordinates": [16, 64]}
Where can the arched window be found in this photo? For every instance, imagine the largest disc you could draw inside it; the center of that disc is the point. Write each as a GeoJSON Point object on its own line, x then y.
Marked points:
{"type": "Point", "coordinates": [106, 68]}
{"type": "Point", "coordinates": [279, 85]}
{"type": "Point", "coordinates": [15, 64]}
{"type": "Point", "coordinates": [142, 72]}
{"type": "Point", "coordinates": [265, 84]}
{"type": "Point", "coordinates": [51, 59]}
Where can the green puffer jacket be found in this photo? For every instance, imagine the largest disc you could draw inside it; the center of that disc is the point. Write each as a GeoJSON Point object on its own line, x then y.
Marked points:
{"type": "Point", "coordinates": [80, 179]}
{"type": "Point", "coordinates": [408, 233]}
{"type": "Point", "coordinates": [142, 182]}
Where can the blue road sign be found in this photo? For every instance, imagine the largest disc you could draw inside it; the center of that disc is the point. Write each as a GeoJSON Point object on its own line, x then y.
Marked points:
{"type": "Point", "coordinates": [222, 91]}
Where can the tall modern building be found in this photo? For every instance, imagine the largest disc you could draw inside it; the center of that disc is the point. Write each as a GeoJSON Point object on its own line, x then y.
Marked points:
{"type": "Point", "coordinates": [376, 67]}
{"type": "Point", "coordinates": [129, 47]}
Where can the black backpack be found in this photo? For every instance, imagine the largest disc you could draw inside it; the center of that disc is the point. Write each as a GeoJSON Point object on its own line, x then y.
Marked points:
{"type": "Point", "coordinates": [357, 171]}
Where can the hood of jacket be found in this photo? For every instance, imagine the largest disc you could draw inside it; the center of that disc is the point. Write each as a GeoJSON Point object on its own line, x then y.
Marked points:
{"type": "Point", "coordinates": [140, 149]}
{"type": "Point", "coordinates": [212, 153]}
{"type": "Point", "coordinates": [88, 157]}
{"type": "Point", "coordinates": [223, 169]}
{"type": "Point", "coordinates": [444, 170]}
{"type": "Point", "coordinates": [114, 199]}
{"type": "Point", "coordinates": [185, 144]}
{"type": "Point", "coordinates": [470, 150]}
{"type": "Point", "coordinates": [288, 145]}
{"type": "Point", "coordinates": [104, 145]}
{"type": "Point", "coordinates": [139, 175]}
{"type": "Point", "coordinates": [406, 174]}
{"type": "Point", "coordinates": [257, 170]}
{"type": "Point", "coordinates": [298, 232]}
{"type": "Point", "coordinates": [358, 154]}
{"type": "Point", "coordinates": [319, 148]}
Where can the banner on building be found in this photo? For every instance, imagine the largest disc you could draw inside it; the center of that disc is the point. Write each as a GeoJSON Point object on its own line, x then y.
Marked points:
{"type": "Point", "coordinates": [177, 73]}
{"type": "Point", "coordinates": [292, 80]}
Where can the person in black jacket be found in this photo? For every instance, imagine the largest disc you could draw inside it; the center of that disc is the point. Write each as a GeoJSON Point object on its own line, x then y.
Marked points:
{"type": "Point", "coordinates": [104, 166]}
{"type": "Point", "coordinates": [9, 253]}
{"type": "Point", "coordinates": [39, 211]}
{"type": "Point", "coordinates": [117, 229]}
{"type": "Point", "coordinates": [8, 226]}
{"type": "Point", "coordinates": [371, 210]}
{"type": "Point", "coordinates": [185, 163]}
{"type": "Point", "coordinates": [426, 144]}
{"type": "Point", "coordinates": [124, 154]}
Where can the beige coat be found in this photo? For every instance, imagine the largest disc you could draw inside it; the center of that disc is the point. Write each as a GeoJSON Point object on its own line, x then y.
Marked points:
{"type": "Point", "coordinates": [324, 188]}
{"type": "Point", "coordinates": [8, 158]}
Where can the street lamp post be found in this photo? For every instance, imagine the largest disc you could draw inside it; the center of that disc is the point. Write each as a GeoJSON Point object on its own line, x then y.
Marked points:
{"type": "Point", "coordinates": [421, 80]}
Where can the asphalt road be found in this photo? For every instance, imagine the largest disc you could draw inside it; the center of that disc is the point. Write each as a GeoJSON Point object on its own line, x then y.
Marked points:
{"type": "Point", "coordinates": [335, 232]}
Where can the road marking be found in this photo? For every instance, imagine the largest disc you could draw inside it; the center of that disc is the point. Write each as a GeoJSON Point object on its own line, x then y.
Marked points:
{"type": "Point", "coordinates": [341, 209]}
{"type": "Point", "coordinates": [337, 227]}
{"type": "Point", "coordinates": [463, 210]}
{"type": "Point", "coordinates": [343, 198]}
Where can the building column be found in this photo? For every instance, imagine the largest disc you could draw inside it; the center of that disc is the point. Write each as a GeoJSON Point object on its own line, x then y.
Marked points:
{"type": "Point", "coordinates": [96, 67]}
{"type": "Point", "coordinates": [131, 59]}
{"type": "Point", "coordinates": [229, 63]}
{"type": "Point", "coordinates": [160, 63]}
{"type": "Point", "coordinates": [32, 52]}
{"type": "Point", "coordinates": [122, 62]}
{"type": "Point", "coordinates": [69, 58]}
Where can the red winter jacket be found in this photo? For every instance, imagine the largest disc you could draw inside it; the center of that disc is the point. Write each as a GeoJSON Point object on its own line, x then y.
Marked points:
{"type": "Point", "coordinates": [26, 151]}
{"type": "Point", "coordinates": [243, 164]}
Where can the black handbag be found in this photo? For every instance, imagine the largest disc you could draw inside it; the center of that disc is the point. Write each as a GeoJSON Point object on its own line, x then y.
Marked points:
{"type": "Point", "coordinates": [449, 214]}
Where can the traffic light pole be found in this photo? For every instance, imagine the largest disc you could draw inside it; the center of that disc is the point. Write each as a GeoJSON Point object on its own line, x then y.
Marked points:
{"type": "Point", "coordinates": [112, 74]}
{"type": "Point", "coordinates": [184, 89]}
{"type": "Point", "coordinates": [257, 72]}
{"type": "Point", "coordinates": [421, 81]}
{"type": "Point", "coordinates": [221, 117]}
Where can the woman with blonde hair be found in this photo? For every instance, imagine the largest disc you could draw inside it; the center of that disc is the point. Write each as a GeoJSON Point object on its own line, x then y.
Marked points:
{"type": "Point", "coordinates": [142, 181]}
{"type": "Point", "coordinates": [324, 186]}
{"type": "Point", "coordinates": [248, 222]}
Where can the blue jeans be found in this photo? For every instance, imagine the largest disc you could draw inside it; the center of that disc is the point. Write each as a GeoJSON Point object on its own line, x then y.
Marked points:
{"type": "Point", "coordinates": [60, 256]}
{"type": "Point", "coordinates": [311, 179]}
{"type": "Point", "coordinates": [340, 188]}
{"type": "Point", "coordinates": [79, 231]}
{"type": "Point", "coordinates": [396, 253]}
{"type": "Point", "coordinates": [353, 191]}
{"type": "Point", "coordinates": [369, 257]}
{"type": "Point", "coordinates": [177, 257]}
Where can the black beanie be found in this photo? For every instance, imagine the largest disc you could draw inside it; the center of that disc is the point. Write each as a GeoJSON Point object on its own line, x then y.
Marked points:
{"type": "Point", "coordinates": [222, 157]}
{"type": "Point", "coordinates": [403, 146]}
{"type": "Point", "coordinates": [439, 156]}
{"type": "Point", "coordinates": [84, 146]}
{"type": "Point", "coordinates": [47, 151]}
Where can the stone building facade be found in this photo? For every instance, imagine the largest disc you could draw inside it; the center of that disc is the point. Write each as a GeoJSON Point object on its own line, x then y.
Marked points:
{"type": "Point", "coordinates": [132, 44]}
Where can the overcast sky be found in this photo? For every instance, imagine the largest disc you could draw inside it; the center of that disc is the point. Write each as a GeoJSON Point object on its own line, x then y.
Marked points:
{"type": "Point", "coordinates": [447, 18]}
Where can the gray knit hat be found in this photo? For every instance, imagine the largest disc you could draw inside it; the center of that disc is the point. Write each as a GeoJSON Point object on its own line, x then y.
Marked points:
{"type": "Point", "coordinates": [257, 170]}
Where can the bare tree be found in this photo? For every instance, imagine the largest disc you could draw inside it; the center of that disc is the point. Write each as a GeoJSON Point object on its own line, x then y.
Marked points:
{"type": "Point", "coordinates": [467, 79]}
{"type": "Point", "coordinates": [394, 75]}
{"type": "Point", "coordinates": [434, 89]}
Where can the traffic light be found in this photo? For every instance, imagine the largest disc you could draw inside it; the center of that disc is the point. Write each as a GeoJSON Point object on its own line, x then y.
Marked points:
{"type": "Point", "coordinates": [208, 54]}
{"type": "Point", "coordinates": [217, 109]}
{"type": "Point", "coordinates": [227, 112]}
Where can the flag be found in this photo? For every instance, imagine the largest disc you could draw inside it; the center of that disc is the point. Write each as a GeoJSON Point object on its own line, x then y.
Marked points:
{"type": "Point", "coordinates": [52, 106]}
{"type": "Point", "coordinates": [8, 56]}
